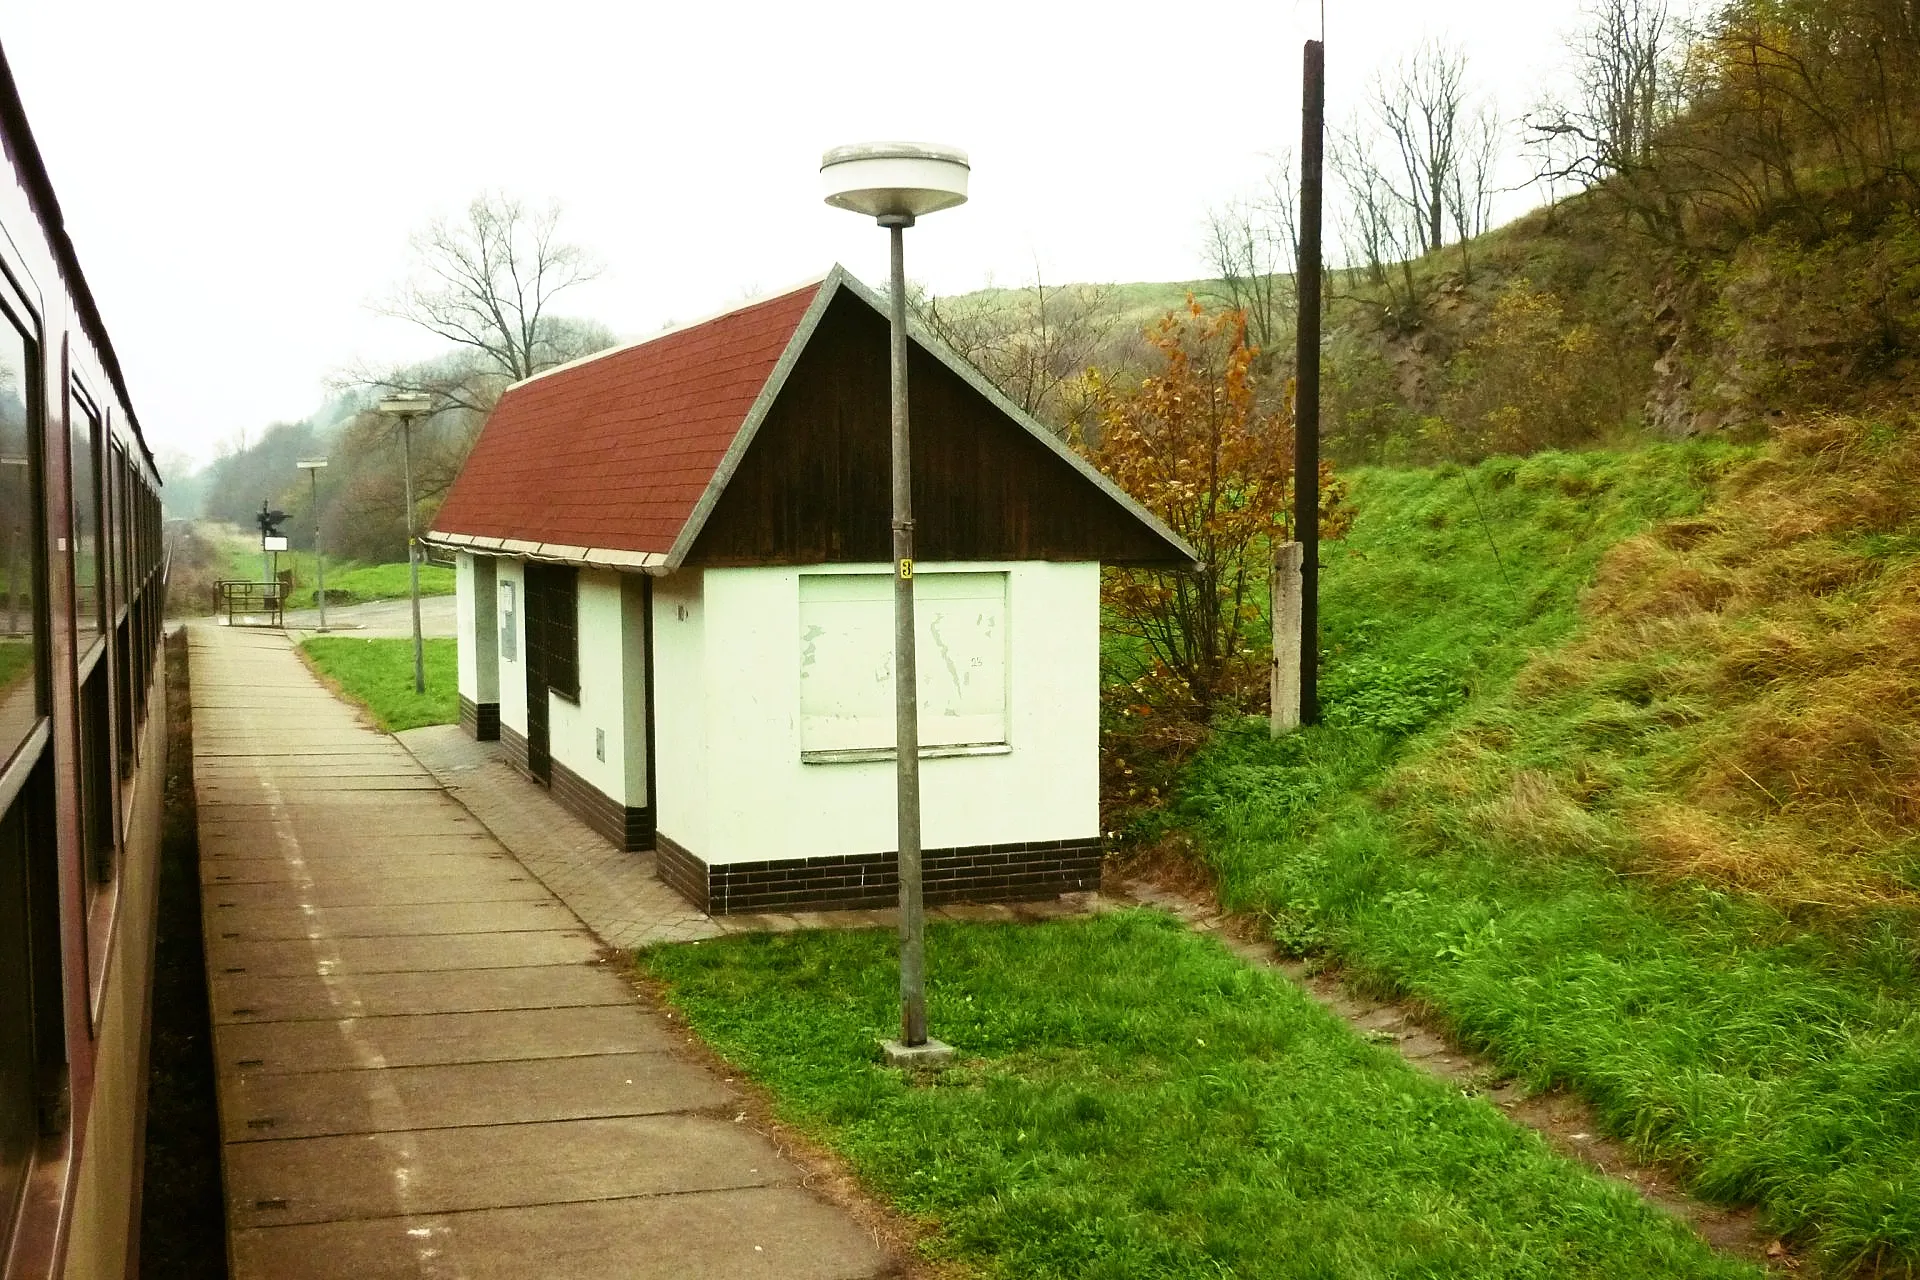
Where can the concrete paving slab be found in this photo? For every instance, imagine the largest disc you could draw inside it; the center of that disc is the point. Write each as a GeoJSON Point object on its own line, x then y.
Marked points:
{"type": "Point", "coordinates": [419, 1040]}
{"type": "Point", "coordinates": [260, 924]}
{"type": "Point", "coordinates": [489, 882]}
{"type": "Point", "coordinates": [319, 1104]}
{"type": "Point", "coordinates": [257, 839]}
{"type": "Point", "coordinates": [365, 766]}
{"type": "Point", "coordinates": [492, 1167]}
{"type": "Point", "coordinates": [772, 1233]}
{"type": "Point", "coordinates": [251, 998]}
{"type": "Point", "coordinates": [341, 868]}
{"type": "Point", "coordinates": [440, 952]}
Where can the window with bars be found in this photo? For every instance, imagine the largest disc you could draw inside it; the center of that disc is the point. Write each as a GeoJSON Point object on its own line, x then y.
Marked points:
{"type": "Point", "coordinates": [553, 628]}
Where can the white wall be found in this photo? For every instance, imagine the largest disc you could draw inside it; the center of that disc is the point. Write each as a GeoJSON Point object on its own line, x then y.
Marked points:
{"type": "Point", "coordinates": [509, 592]}
{"type": "Point", "coordinates": [577, 730]}
{"type": "Point", "coordinates": [633, 665]}
{"type": "Point", "coordinates": [733, 787]}
{"type": "Point", "coordinates": [680, 709]}
{"type": "Point", "coordinates": [476, 628]}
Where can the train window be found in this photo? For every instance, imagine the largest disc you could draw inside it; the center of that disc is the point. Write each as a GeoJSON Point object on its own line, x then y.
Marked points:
{"type": "Point", "coordinates": [83, 426]}
{"type": "Point", "coordinates": [22, 640]}
{"type": "Point", "coordinates": [31, 1054]}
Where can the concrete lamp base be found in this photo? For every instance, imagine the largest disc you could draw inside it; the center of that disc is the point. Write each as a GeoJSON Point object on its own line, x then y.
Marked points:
{"type": "Point", "coordinates": [917, 1057]}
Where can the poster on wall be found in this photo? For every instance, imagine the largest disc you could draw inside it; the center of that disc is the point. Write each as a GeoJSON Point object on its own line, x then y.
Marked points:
{"type": "Point", "coordinates": [846, 660]}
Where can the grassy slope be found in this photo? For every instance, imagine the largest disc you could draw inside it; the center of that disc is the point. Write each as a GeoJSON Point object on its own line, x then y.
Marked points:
{"type": "Point", "coordinates": [378, 674]}
{"type": "Point", "coordinates": [1498, 867]}
{"type": "Point", "coordinates": [1134, 1101]}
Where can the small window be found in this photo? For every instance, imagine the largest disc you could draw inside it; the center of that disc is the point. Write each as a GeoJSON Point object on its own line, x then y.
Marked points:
{"type": "Point", "coordinates": [846, 660]}
{"type": "Point", "coordinates": [509, 625]}
{"type": "Point", "coordinates": [83, 426]}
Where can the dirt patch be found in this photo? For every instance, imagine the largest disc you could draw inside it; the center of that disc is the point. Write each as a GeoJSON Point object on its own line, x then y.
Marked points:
{"type": "Point", "coordinates": [183, 1228]}
{"type": "Point", "coordinates": [1564, 1120]}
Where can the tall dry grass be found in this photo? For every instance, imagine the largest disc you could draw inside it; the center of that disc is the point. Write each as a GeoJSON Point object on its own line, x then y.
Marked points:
{"type": "Point", "coordinates": [1745, 693]}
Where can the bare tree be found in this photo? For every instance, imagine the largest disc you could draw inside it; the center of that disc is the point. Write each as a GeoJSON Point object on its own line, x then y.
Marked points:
{"type": "Point", "coordinates": [1470, 193]}
{"type": "Point", "coordinates": [1035, 343]}
{"type": "Point", "coordinates": [1420, 104]}
{"type": "Point", "coordinates": [1381, 229]}
{"type": "Point", "coordinates": [1251, 247]}
{"type": "Point", "coordinates": [1624, 82]}
{"type": "Point", "coordinates": [487, 283]}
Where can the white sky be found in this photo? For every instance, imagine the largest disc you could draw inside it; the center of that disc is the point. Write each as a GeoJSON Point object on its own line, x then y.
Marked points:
{"type": "Point", "coordinates": [240, 179]}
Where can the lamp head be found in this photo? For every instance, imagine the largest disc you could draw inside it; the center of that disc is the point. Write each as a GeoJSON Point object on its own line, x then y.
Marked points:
{"type": "Point", "coordinates": [894, 180]}
{"type": "Point", "coordinates": [406, 404]}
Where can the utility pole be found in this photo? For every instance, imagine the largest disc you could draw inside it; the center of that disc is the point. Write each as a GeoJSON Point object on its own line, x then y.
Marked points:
{"type": "Point", "coordinates": [1306, 396]}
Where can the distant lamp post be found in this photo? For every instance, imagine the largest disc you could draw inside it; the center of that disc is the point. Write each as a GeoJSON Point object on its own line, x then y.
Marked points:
{"type": "Point", "coordinates": [312, 467]}
{"type": "Point", "coordinates": [895, 183]}
{"type": "Point", "coordinates": [407, 407]}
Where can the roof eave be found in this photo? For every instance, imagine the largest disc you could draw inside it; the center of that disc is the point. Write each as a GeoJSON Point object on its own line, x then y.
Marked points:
{"type": "Point", "coordinates": [549, 552]}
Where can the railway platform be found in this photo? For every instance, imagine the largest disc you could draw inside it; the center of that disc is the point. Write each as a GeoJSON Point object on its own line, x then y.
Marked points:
{"type": "Point", "coordinates": [427, 1067]}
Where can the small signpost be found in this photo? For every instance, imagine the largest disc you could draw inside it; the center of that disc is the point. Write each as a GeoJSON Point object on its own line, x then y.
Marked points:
{"type": "Point", "coordinates": [272, 542]}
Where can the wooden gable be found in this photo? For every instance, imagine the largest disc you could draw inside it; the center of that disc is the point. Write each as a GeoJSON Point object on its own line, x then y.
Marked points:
{"type": "Point", "coordinates": [814, 485]}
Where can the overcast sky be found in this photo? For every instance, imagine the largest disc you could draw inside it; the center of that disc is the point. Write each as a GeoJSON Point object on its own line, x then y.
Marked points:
{"type": "Point", "coordinates": [240, 179]}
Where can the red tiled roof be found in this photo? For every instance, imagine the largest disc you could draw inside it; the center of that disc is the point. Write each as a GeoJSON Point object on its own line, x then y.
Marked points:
{"type": "Point", "coordinates": [615, 452]}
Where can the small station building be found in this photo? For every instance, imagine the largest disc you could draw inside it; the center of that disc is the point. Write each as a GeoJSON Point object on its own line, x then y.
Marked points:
{"type": "Point", "coordinates": [675, 609]}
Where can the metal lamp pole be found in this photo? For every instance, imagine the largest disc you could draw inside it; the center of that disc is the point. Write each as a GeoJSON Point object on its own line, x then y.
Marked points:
{"type": "Point", "coordinates": [407, 408]}
{"type": "Point", "coordinates": [312, 467]}
{"type": "Point", "coordinates": [906, 681]}
{"type": "Point", "coordinates": [894, 183]}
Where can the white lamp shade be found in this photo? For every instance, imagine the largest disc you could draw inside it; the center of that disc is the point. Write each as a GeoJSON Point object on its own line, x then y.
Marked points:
{"type": "Point", "coordinates": [894, 179]}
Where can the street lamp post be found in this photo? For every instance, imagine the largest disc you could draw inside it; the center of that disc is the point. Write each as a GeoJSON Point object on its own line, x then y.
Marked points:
{"type": "Point", "coordinates": [895, 183]}
{"type": "Point", "coordinates": [407, 407]}
{"type": "Point", "coordinates": [312, 467]}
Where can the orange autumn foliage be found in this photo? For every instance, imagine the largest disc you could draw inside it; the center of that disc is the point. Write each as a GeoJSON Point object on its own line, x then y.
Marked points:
{"type": "Point", "coordinates": [1195, 444]}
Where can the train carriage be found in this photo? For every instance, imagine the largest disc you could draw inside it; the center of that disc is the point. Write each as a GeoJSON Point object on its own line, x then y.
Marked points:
{"type": "Point", "coordinates": [82, 746]}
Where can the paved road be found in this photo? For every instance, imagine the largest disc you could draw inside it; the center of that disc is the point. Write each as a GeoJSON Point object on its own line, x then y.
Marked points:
{"type": "Point", "coordinates": [379, 618]}
{"type": "Point", "coordinates": [424, 1068]}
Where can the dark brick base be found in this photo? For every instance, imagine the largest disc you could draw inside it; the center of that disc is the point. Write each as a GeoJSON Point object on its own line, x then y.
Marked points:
{"type": "Point", "coordinates": [980, 873]}
{"type": "Point", "coordinates": [626, 826]}
{"type": "Point", "coordinates": [481, 720]}
{"type": "Point", "coordinates": [685, 874]}
{"type": "Point", "coordinates": [514, 744]}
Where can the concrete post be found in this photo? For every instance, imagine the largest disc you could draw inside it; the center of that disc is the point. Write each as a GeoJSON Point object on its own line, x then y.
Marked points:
{"type": "Point", "coordinates": [1287, 594]}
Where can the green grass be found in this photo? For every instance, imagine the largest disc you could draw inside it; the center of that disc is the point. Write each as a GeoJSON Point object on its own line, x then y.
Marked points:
{"type": "Point", "coordinates": [378, 674]}
{"type": "Point", "coordinates": [1133, 1101]}
{"type": "Point", "coordinates": [16, 661]}
{"type": "Point", "coordinates": [347, 582]}
{"type": "Point", "coordinates": [1773, 1057]}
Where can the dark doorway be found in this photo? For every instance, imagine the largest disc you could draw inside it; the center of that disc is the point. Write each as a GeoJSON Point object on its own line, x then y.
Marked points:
{"type": "Point", "coordinates": [553, 647]}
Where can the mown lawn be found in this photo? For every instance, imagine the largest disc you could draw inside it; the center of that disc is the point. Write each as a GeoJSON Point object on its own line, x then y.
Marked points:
{"type": "Point", "coordinates": [1492, 848]}
{"type": "Point", "coordinates": [348, 582]}
{"type": "Point", "coordinates": [1133, 1101]}
{"type": "Point", "coordinates": [378, 674]}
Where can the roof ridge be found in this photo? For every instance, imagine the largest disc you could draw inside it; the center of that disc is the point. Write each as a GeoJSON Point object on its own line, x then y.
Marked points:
{"type": "Point", "coordinates": [812, 282]}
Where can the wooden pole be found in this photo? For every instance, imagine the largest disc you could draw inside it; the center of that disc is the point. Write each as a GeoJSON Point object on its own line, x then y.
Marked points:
{"type": "Point", "coordinates": [1306, 405]}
